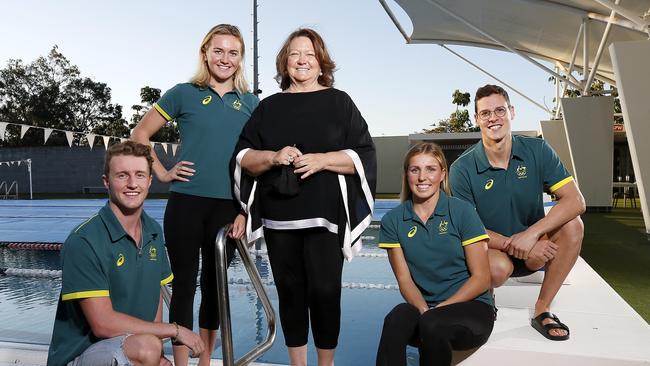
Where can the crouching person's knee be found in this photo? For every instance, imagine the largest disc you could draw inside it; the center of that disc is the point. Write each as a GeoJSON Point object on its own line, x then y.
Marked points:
{"type": "Point", "coordinates": [401, 315]}
{"type": "Point", "coordinates": [571, 235]}
{"type": "Point", "coordinates": [500, 271]}
{"type": "Point", "coordinates": [144, 349]}
{"type": "Point", "coordinates": [576, 229]}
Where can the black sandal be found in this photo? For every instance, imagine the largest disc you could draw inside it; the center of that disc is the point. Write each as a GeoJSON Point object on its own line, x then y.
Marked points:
{"type": "Point", "coordinates": [545, 329]}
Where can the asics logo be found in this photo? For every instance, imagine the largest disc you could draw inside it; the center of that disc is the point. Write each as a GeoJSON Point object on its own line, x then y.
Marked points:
{"type": "Point", "coordinates": [412, 232]}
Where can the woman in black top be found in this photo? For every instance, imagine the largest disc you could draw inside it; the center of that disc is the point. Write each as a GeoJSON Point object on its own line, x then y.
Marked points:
{"type": "Point", "coordinates": [305, 172]}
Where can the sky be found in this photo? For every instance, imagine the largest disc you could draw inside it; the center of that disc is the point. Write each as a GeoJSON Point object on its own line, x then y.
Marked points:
{"type": "Point", "coordinates": [399, 88]}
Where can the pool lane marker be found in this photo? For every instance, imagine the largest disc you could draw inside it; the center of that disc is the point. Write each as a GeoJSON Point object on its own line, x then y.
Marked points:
{"type": "Point", "coordinates": [55, 274]}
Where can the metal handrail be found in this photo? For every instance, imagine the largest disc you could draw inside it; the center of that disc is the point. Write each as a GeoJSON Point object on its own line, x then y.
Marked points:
{"type": "Point", "coordinates": [224, 301]}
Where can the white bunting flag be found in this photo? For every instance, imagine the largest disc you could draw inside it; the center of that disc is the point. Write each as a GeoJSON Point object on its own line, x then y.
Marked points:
{"type": "Point", "coordinates": [3, 128]}
{"type": "Point", "coordinates": [23, 130]}
{"type": "Point", "coordinates": [69, 137]}
{"type": "Point", "coordinates": [91, 139]}
{"type": "Point", "coordinates": [46, 136]}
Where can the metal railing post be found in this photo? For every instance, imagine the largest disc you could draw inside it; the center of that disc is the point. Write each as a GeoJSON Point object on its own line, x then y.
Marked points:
{"type": "Point", "coordinates": [224, 301]}
{"type": "Point", "coordinates": [221, 262]}
{"type": "Point", "coordinates": [256, 280]}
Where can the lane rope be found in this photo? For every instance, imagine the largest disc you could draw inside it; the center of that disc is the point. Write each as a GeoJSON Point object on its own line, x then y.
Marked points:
{"type": "Point", "coordinates": [368, 253]}
{"type": "Point", "coordinates": [56, 274]}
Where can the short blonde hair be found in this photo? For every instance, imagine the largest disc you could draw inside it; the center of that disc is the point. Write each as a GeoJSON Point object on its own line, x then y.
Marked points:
{"type": "Point", "coordinates": [327, 65]}
{"type": "Point", "coordinates": [428, 148]}
{"type": "Point", "coordinates": [127, 148]}
{"type": "Point", "coordinates": [202, 75]}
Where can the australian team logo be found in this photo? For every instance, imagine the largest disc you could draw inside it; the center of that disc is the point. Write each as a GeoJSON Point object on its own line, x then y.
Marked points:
{"type": "Point", "coordinates": [521, 171]}
{"type": "Point", "coordinates": [207, 100]}
{"type": "Point", "coordinates": [236, 104]}
{"type": "Point", "coordinates": [120, 260]}
{"type": "Point", "coordinates": [442, 227]}
{"type": "Point", "coordinates": [488, 184]}
{"type": "Point", "coordinates": [153, 254]}
{"type": "Point", "coordinates": [412, 232]}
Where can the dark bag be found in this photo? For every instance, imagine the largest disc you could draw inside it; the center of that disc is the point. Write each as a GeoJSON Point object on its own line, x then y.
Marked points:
{"type": "Point", "coordinates": [286, 183]}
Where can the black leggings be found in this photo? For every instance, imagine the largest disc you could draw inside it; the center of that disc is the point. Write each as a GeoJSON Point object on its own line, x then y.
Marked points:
{"type": "Point", "coordinates": [307, 266]}
{"type": "Point", "coordinates": [458, 326]}
{"type": "Point", "coordinates": [192, 223]}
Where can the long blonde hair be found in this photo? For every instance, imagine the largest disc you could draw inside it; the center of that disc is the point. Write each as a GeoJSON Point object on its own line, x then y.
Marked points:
{"type": "Point", "coordinates": [423, 148]}
{"type": "Point", "coordinates": [202, 75]}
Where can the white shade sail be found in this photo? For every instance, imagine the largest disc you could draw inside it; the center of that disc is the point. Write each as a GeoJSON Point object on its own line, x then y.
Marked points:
{"type": "Point", "coordinates": [542, 29]}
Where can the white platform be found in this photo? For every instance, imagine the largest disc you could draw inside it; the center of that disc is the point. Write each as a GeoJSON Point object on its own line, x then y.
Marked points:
{"type": "Point", "coordinates": [605, 330]}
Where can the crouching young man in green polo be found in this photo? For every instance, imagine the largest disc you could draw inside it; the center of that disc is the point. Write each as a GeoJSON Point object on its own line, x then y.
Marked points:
{"type": "Point", "coordinates": [504, 176]}
{"type": "Point", "coordinates": [110, 308]}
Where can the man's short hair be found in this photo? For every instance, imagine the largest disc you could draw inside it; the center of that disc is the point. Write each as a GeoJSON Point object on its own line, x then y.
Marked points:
{"type": "Point", "coordinates": [486, 91]}
{"type": "Point", "coordinates": [128, 148]}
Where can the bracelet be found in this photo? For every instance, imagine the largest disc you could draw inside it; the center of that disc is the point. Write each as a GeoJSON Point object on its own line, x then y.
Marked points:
{"type": "Point", "coordinates": [173, 339]}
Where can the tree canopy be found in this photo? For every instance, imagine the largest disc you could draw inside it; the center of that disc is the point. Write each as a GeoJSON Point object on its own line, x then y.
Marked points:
{"type": "Point", "coordinates": [51, 92]}
{"type": "Point", "coordinates": [148, 96]}
{"type": "Point", "coordinates": [458, 121]}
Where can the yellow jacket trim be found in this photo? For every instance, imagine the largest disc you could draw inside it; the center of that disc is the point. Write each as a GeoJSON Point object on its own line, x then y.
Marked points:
{"type": "Point", "coordinates": [167, 280]}
{"type": "Point", "coordinates": [85, 295]}
{"type": "Point", "coordinates": [162, 111]}
{"type": "Point", "coordinates": [389, 245]}
{"type": "Point", "coordinates": [560, 184]}
{"type": "Point", "coordinates": [85, 222]}
{"type": "Point", "coordinates": [475, 239]}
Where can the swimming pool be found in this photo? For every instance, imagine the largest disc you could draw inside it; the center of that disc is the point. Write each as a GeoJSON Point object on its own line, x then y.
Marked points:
{"type": "Point", "coordinates": [27, 304]}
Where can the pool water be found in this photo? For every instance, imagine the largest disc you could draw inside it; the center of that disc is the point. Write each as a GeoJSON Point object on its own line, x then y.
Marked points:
{"type": "Point", "coordinates": [28, 305]}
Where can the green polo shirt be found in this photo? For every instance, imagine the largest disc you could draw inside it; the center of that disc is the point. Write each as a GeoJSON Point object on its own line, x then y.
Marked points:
{"type": "Point", "coordinates": [434, 250]}
{"type": "Point", "coordinates": [509, 200]}
{"type": "Point", "coordinates": [210, 126]}
{"type": "Point", "coordinates": [99, 259]}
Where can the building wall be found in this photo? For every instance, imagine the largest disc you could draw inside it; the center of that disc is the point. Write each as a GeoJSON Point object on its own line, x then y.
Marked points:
{"type": "Point", "coordinates": [454, 144]}
{"type": "Point", "coordinates": [390, 152]}
{"type": "Point", "coordinates": [62, 169]}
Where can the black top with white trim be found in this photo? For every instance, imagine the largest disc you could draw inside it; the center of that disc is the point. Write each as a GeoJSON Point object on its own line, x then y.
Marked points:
{"type": "Point", "coordinates": [315, 122]}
